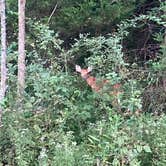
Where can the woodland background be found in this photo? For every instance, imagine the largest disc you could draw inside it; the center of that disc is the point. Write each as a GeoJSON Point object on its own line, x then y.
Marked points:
{"type": "Point", "coordinates": [60, 120]}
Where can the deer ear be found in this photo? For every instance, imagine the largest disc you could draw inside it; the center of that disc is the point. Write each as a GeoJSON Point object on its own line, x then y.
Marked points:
{"type": "Point", "coordinates": [89, 69]}
{"type": "Point", "coordinates": [78, 68]}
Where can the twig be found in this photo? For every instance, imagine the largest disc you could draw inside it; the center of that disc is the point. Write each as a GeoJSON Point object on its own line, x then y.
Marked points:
{"type": "Point", "coordinates": [52, 13]}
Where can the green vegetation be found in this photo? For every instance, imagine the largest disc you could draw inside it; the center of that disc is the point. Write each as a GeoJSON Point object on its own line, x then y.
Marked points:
{"type": "Point", "coordinates": [61, 121]}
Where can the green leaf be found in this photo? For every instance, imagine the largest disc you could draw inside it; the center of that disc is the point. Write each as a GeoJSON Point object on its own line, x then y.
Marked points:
{"type": "Point", "coordinates": [37, 128]}
{"type": "Point", "coordinates": [147, 149]}
{"type": "Point", "coordinates": [139, 148]}
{"type": "Point", "coordinates": [94, 138]}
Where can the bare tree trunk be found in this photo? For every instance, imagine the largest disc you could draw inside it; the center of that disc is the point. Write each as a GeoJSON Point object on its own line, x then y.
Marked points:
{"type": "Point", "coordinates": [3, 55]}
{"type": "Point", "coordinates": [21, 47]}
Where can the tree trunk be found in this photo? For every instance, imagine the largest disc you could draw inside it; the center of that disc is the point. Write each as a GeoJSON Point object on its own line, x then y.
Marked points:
{"type": "Point", "coordinates": [21, 47]}
{"type": "Point", "coordinates": [3, 56]}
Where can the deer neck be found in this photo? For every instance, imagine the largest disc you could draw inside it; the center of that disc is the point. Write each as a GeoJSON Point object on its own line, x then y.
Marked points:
{"type": "Point", "coordinates": [86, 77]}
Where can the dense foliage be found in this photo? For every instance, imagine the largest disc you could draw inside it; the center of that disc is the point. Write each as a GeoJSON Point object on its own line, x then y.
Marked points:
{"type": "Point", "coordinates": [61, 120]}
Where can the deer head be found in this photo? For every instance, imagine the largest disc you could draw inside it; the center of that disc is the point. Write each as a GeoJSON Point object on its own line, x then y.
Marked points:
{"type": "Point", "coordinates": [84, 72]}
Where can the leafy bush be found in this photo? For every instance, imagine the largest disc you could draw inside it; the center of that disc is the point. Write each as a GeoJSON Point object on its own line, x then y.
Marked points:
{"type": "Point", "coordinates": [61, 120]}
{"type": "Point", "coordinates": [136, 141]}
{"type": "Point", "coordinates": [39, 139]}
{"type": "Point", "coordinates": [36, 140]}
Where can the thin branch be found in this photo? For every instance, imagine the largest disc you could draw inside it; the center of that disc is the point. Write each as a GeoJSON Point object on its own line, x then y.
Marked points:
{"type": "Point", "coordinates": [52, 13]}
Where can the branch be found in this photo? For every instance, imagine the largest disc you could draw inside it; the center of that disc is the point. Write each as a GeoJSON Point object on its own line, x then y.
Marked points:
{"type": "Point", "coordinates": [52, 13]}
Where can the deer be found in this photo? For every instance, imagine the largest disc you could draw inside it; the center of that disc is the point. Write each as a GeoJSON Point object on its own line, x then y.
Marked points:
{"type": "Point", "coordinates": [98, 86]}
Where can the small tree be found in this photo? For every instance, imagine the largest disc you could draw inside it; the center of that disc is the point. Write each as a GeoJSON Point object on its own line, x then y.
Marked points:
{"type": "Point", "coordinates": [21, 47]}
{"type": "Point", "coordinates": [3, 55]}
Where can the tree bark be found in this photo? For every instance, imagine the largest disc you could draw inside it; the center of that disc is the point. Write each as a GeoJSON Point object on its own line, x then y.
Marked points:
{"type": "Point", "coordinates": [3, 55]}
{"type": "Point", "coordinates": [21, 47]}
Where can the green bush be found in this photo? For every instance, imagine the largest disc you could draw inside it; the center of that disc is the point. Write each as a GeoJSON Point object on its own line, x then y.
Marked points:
{"type": "Point", "coordinates": [61, 120]}
{"type": "Point", "coordinates": [136, 141]}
